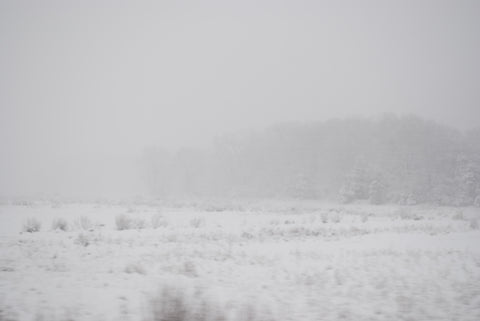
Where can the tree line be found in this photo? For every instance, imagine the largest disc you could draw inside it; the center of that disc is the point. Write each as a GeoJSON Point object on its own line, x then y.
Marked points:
{"type": "Point", "coordinates": [391, 159]}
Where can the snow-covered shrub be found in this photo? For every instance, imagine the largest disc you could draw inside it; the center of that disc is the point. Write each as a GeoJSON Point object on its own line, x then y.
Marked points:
{"type": "Point", "coordinates": [364, 217]}
{"type": "Point", "coordinates": [324, 217]}
{"type": "Point", "coordinates": [139, 223]}
{"type": "Point", "coordinates": [82, 239]}
{"type": "Point", "coordinates": [170, 304]}
{"type": "Point", "coordinates": [32, 225]}
{"type": "Point", "coordinates": [336, 217]}
{"type": "Point", "coordinates": [83, 223]}
{"type": "Point", "coordinates": [189, 269]}
{"type": "Point", "coordinates": [123, 222]}
{"type": "Point", "coordinates": [247, 235]}
{"type": "Point", "coordinates": [23, 203]}
{"type": "Point", "coordinates": [56, 204]}
{"type": "Point", "coordinates": [197, 222]}
{"type": "Point", "coordinates": [157, 220]}
{"type": "Point", "coordinates": [406, 213]}
{"type": "Point", "coordinates": [173, 304]}
{"type": "Point", "coordinates": [274, 222]}
{"type": "Point", "coordinates": [60, 224]}
{"type": "Point", "coordinates": [135, 268]}
{"type": "Point", "coordinates": [214, 208]}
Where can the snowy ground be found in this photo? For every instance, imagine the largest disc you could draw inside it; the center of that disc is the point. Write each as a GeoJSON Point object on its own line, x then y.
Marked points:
{"type": "Point", "coordinates": [254, 261]}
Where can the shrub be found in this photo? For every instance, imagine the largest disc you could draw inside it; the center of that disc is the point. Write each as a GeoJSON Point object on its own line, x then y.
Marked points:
{"type": "Point", "coordinates": [83, 223]}
{"type": "Point", "coordinates": [324, 217]}
{"type": "Point", "coordinates": [157, 221]}
{"type": "Point", "coordinates": [197, 222]}
{"type": "Point", "coordinates": [60, 224]}
{"type": "Point", "coordinates": [139, 223]}
{"type": "Point", "coordinates": [336, 217]}
{"type": "Point", "coordinates": [85, 239]}
{"type": "Point", "coordinates": [189, 269]}
{"type": "Point", "coordinates": [32, 225]}
{"type": "Point", "coordinates": [168, 305]}
{"type": "Point", "coordinates": [173, 304]}
{"type": "Point", "coordinates": [364, 217]}
{"type": "Point", "coordinates": [123, 222]}
{"type": "Point", "coordinates": [82, 239]}
{"type": "Point", "coordinates": [135, 268]}
{"type": "Point", "coordinates": [406, 213]}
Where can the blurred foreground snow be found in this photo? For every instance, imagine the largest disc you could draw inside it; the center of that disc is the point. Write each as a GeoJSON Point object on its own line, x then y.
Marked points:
{"type": "Point", "coordinates": [252, 261]}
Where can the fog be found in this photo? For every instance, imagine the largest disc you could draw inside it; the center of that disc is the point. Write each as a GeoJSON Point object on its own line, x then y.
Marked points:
{"type": "Point", "coordinates": [88, 87]}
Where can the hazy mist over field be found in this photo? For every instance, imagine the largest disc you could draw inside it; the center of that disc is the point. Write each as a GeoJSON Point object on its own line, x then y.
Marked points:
{"type": "Point", "coordinates": [250, 160]}
{"type": "Point", "coordinates": [86, 87]}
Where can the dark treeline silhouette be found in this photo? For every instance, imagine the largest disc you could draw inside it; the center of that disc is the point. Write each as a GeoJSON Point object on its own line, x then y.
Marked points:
{"type": "Point", "coordinates": [403, 160]}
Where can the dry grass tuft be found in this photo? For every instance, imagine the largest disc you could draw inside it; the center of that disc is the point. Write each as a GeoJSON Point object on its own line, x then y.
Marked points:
{"type": "Point", "coordinates": [60, 224]}
{"type": "Point", "coordinates": [32, 225]}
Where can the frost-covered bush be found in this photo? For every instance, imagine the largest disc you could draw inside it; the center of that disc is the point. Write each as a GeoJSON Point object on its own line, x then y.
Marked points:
{"type": "Point", "coordinates": [139, 223]}
{"type": "Point", "coordinates": [135, 268]}
{"type": "Point", "coordinates": [189, 269]}
{"type": "Point", "coordinates": [32, 225]}
{"type": "Point", "coordinates": [123, 222]}
{"type": "Point", "coordinates": [324, 217]}
{"type": "Point", "coordinates": [197, 222]}
{"type": "Point", "coordinates": [406, 213]}
{"type": "Point", "coordinates": [60, 224]}
{"type": "Point", "coordinates": [364, 217]}
{"type": "Point", "coordinates": [157, 220]}
{"type": "Point", "coordinates": [23, 203]}
{"type": "Point", "coordinates": [56, 204]}
{"type": "Point", "coordinates": [83, 223]}
{"type": "Point", "coordinates": [85, 239]}
{"type": "Point", "coordinates": [173, 304]}
{"type": "Point", "coordinates": [336, 217]}
{"type": "Point", "coordinates": [170, 304]}
{"type": "Point", "coordinates": [82, 239]}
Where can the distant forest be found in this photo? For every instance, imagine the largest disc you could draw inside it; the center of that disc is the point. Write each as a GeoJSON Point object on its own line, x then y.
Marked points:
{"type": "Point", "coordinates": [402, 160]}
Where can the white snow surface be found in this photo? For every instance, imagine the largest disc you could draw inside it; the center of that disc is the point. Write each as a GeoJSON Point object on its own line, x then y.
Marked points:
{"type": "Point", "coordinates": [250, 261]}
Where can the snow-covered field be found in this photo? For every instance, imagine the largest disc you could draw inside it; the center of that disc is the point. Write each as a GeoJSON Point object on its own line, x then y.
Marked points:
{"type": "Point", "coordinates": [251, 261]}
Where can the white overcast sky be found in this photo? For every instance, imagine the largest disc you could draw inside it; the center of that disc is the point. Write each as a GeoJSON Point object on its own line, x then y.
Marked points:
{"type": "Point", "coordinates": [79, 79]}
